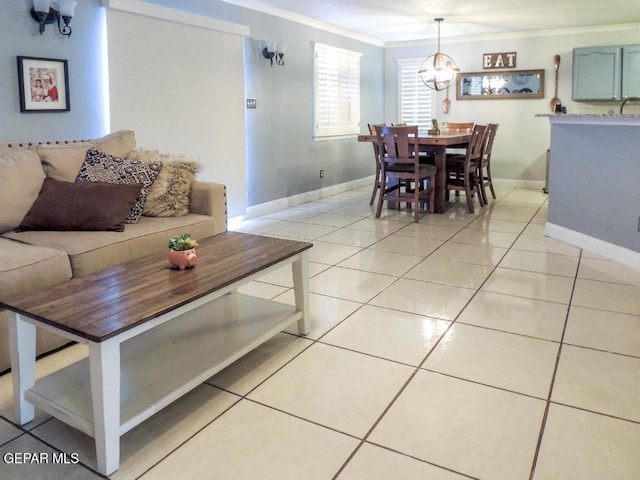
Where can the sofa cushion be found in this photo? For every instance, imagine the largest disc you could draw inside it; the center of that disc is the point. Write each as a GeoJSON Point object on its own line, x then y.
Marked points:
{"type": "Point", "coordinates": [26, 268]}
{"type": "Point", "coordinates": [23, 269]}
{"type": "Point", "coordinates": [63, 162]}
{"type": "Point", "coordinates": [6, 148]}
{"type": "Point", "coordinates": [169, 194]}
{"type": "Point", "coordinates": [21, 177]}
{"type": "Point", "coordinates": [93, 251]}
{"type": "Point", "coordinates": [119, 143]}
{"type": "Point", "coordinates": [99, 166]}
{"type": "Point", "coordinates": [66, 206]}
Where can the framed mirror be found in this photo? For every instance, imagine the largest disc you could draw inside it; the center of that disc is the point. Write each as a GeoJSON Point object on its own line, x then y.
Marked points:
{"type": "Point", "coordinates": [500, 85]}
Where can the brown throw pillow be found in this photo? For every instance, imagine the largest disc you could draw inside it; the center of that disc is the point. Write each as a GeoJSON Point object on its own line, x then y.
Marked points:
{"type": "Point", "coordinates": [67, 206]}
{"type": "Point", "coordinates": [170, 193]}
{"type": "Point", "coordinates": [102, 167]}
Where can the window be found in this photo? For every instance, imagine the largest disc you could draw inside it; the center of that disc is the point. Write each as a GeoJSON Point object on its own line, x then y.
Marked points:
{"type": "Point", "coordinates": [336, 92]}
{"type": "Point", "coordinates": [414, 97]}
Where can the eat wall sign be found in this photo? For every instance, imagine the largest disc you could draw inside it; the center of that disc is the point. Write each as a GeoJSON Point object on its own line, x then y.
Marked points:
{"type": "Point", "coordinates": [499, 60]}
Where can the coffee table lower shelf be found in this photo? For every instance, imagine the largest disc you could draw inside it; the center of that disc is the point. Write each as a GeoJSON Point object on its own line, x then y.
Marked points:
{"type": "Point", "coordinates": [164, 363]}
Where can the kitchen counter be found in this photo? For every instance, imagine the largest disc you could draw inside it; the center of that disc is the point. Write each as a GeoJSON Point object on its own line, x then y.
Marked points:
{"type": "Point", "coordinates": [588, 115]}
{"type": "Point", "coordinates": [594, 196]}
{"type": "Point", "coordinates": [593, 118]}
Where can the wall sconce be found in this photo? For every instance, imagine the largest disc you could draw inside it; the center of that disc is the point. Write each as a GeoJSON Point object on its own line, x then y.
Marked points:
{"type": "Point", "coordinates": [43, 13]}
{"type": "Point", "coordinates": [275, 51]}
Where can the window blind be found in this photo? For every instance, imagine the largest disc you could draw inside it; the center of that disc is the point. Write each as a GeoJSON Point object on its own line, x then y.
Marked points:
{"type": "Point", "coordinates": [414, 97]}
{"type": "Point", "coordinates": [336, 91]}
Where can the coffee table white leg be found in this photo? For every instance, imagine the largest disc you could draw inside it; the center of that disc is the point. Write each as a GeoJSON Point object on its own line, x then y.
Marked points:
{"type": "Point", "coordinates": [300, 269]}
{"type": "Point", "coordinates": [22, 343]}
{"type": "Point", "coordinates": [104, 361]}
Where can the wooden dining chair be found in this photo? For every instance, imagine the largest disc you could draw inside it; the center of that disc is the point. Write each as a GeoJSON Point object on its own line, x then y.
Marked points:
{"type": "Point", "coordinates": [451, 127]}
{"type": "Point", "coordinates": [376, 182]}
{"type": "Point", "coordinates": [400, 166]}
{"type": "Point", "coordinates": [462, 170]}
{"type": "Point", "coordinates": [484, 168]}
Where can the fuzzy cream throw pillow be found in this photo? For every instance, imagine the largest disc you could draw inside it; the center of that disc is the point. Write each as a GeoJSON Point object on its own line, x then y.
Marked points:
{"type": "Point", "coordinates": [170, 192]}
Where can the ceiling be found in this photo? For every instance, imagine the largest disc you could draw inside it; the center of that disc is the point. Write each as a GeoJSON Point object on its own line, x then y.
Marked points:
{"type": "Point", "coordinates": [389, 21]}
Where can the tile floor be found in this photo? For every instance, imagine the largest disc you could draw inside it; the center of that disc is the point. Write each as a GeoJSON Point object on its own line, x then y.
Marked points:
{"type": "Point", "coordinates": [464, 346]}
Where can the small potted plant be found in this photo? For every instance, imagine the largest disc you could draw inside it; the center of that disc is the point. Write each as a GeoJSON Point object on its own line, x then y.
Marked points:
{"type": "Point", "coordinates": [182, 251]}
{"type": "Point", "coordinates": [435, 130]}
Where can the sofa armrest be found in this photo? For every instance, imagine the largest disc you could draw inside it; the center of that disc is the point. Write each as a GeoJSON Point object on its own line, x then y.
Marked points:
{"type": "Point", "coordinates": [208, 198]}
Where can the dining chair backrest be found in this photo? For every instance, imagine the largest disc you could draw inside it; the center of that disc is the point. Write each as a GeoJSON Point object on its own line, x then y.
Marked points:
{"type": "Point", "coordinates": [457, 127]}
{"type": "Point", "coordinates": [484, 166]}
{"type": "Point", "coordinates": [373, 130]}
{"type": "Point", "coordinates": [492, 128]}
{"type": "Point", "coordinates": [476, 144]}
{"type": "Point", "coordinates": [462, 171]}
{"type": "Point", "coordinates": [398, 143]}
{"type": "Point", "coordinates": [374, 127]}
{"type": "Point", "coordinates": [378, 146]}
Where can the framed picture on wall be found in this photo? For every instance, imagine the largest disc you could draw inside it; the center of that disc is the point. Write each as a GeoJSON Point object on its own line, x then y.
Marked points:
{"type": "Point", "coordinates": [43, 85]}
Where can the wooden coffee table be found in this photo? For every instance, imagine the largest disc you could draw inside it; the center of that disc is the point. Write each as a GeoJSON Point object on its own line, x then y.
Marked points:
{"type": "Point", "coordinates": [153, 333]}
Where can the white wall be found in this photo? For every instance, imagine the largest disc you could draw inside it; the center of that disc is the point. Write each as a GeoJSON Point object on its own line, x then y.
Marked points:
{"type": "Point", "coordinates": [522, 139]}
{"type": "Point", "coordinates": [283, 160]}
{"type": "Point", "coordinates": [180, 87]}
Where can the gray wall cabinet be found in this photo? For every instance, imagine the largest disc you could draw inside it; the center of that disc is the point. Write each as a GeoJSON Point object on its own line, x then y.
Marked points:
{"type": "Point", "coordinates": [631, 71]}
{"type": "Point", "coordinates": [606, 73]}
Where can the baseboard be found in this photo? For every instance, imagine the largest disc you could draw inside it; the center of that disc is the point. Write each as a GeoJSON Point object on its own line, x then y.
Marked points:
{"type": "Point", "coordinates": [288, 202]}
{"type": "Point", "coordinates": [599, 247]}
{"type": "Point", "coordinates": [294, 200]}
{"type": "Point", "coordinates": [515, 183]}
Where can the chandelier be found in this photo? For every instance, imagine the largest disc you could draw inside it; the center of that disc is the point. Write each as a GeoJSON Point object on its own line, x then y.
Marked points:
{"type": "Point", "coordinates": [439, 70]}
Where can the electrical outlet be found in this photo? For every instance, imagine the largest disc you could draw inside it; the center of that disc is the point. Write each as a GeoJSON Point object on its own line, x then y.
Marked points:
{"type": "Point", "coordinates": [252, 103]}
{"type": "Point", "coordinates": [321, 173]}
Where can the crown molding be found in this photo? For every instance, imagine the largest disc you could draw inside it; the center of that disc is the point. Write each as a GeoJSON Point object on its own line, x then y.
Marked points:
{"type": "Point", "coordinates": [308, 21]}
{"type": "Point", "coordinates": [177, 16]}
{"type": "Point", "coordinates": [519, 34]}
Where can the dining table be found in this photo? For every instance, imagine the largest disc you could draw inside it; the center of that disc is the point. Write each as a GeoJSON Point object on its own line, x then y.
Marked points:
{"type": "Point", "coordinates": [437, 145]}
